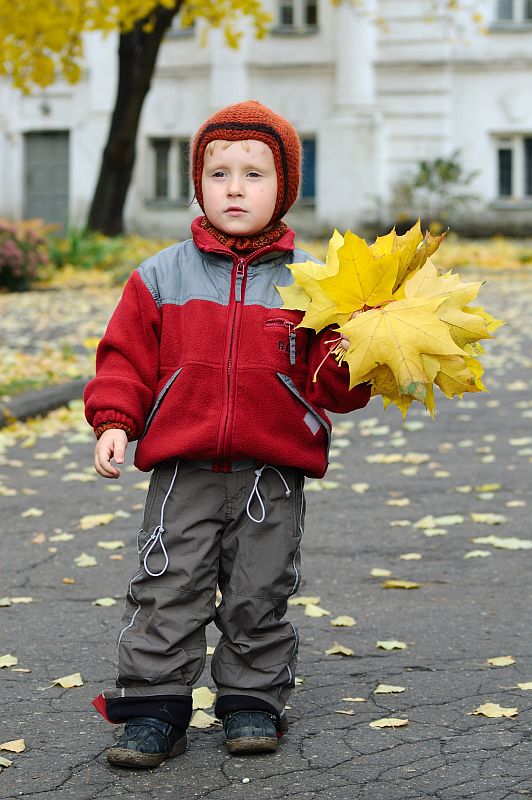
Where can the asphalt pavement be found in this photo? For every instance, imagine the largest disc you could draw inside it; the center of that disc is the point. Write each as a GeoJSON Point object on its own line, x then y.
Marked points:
{"type": "Point", "coordinates": [396, 505]}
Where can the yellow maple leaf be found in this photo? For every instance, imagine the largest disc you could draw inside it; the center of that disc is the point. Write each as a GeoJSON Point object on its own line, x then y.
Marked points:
{"type": "Point", "coordinates": [388, 722]}
{"type": "Point", "coordinates": [495, 711]}
{"type": "Point", "coordinates": [307, 293]}
{"type": "Point", "coordinates": [397, 335]}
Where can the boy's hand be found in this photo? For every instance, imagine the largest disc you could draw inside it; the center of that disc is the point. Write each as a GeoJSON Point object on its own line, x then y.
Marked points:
{"type": "Point", "coordinates": [344, 342]}
{"type": "Point", "coordinates": [112, 443]}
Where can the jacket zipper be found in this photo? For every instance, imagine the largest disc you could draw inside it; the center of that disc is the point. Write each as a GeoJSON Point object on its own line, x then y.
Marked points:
{"type": "Point", "coordinates": [285, 323]}
{"type": "Point", "coordinates": [236, 312]}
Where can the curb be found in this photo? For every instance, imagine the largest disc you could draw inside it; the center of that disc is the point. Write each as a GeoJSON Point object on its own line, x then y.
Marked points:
{"type": "Point", "coordinates": [39, 403]}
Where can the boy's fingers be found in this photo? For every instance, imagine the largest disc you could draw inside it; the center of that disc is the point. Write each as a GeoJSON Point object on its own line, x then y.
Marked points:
{"type": "Point", "coordinates": [103, 464]}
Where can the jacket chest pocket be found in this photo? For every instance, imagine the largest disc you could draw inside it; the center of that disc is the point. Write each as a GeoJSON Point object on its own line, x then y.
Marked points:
{"type": "Point", "coordinates": [287, 338]}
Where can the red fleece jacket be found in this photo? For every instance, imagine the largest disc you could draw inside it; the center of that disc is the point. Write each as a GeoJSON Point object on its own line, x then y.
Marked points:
{"type": "Point", "coordinates": [200, 362]}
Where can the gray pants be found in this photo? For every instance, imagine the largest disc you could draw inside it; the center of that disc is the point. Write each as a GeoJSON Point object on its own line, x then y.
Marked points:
{"type": "Point", "coordinates": [240, 531]}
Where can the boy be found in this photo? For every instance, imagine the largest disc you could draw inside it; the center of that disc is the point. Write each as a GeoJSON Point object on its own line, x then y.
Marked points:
{"type": "Point", "coordinates": [201, 365]}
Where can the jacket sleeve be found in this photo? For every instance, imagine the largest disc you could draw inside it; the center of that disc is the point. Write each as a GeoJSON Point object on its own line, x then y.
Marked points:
{"type": "Point", "coordinates": [127, 363]}
{"type": "Point", "coordinates": [331, 388]}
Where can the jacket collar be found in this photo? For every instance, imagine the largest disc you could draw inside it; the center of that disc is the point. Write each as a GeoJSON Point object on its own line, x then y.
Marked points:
{"type": "Point", "coordinates": [206, 242]}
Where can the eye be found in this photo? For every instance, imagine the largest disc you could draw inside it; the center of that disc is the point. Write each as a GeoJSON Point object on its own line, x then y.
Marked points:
{"type": "Point", "coordinates": [218, 174]}
{"type": "Point", "coordinates": [254, 174]}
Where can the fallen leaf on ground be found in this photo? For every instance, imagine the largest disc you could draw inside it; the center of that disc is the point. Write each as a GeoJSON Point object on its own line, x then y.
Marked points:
{"type": "Point", "coordinates": [202, 697]}
{"type": "Point", "coordinates": [526, 686]}
{"type": "Point", "coordinates": [115, 544]}
{"type": "Point", "coordinates": [347, 713]}
{"type": "Point", "coordinates": [495, 711]}
{"type": "Point", "coordinates": [392, 644]}
{"type": "Point", "coordinates": [69, 681]}
{"type": "Point", "coordinates": [68, 581]}
{"type": "Point", "coordinates": [343, 621]}
{"type": "Point", "coordinates": [85, 560]}
{"type": "Point", "coordinates": [354, 699]}
{"type": "Point", "coordinates": [105, 601]}
{"type": "Point", "coordinates": [477, 554]}
{"type": "Point", "coordinates": [210, 650]}
{"type": "Point", "coordinates": [312, 610]}
{"type": "Point", "coordinates": [4, 763]}
{"type": "Point", "coordinates": [360, 488]}
{"type": "Point", "coordinates": [202, 720]}
{"type": "Point", "coordinates": [39, 538]}
{"type": "Point", "coordinates": [504, 543]}
{"type": "Point", "coordinates": [388, 722]}
{"type": "Point", "coordinates": [94, 520]}
{"type": "Point", "coordinates": [398, 501]}
{"type": "Point", "coordinates": [501, 661]}
{"type": "Point", "coordinates": [384, 688]}
{"type": "Point", "coordinates": [377, 572]}
{"type": "Point", "coordinates": [338, 650]}
{"type": "Point", "coordinates": [32, 512]}
{"type": "Point", "coordinates": [411, 556]}
{"type": "Point", "coordinates": [24, 600]}
{"type": "Point", "coordinates": [15, 746]}
{"type": "Point", "coordinates": [81, 477]}
{"type": "Point", "coordinates": [488, 518]}
{"type": "Point", "coordinates": [8, 660]}
{"type": "Point", "coordinates": [393, 584]}
{"type": "Point", "coordinates": [303, 601]}
{"type": "Point", "coordinates": [62, 537]}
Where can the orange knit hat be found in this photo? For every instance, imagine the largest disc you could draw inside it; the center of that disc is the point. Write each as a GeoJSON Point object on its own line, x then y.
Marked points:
{"type": "Point", "coordinates": [252, 120]}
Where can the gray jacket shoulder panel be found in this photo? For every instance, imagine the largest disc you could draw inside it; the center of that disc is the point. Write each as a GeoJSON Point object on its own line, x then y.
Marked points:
{"type": "Point", "coordinates": [181, 273]}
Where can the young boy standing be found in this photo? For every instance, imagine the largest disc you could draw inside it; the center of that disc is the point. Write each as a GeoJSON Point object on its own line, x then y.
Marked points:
{"type": "Point", "coordinates": [201, 365]}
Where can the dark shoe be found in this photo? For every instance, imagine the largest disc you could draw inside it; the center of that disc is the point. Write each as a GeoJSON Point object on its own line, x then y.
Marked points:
{"type": "Point", "coordinates": [147, 742]}
{"type": "Point", "coordinates": [250, 732]}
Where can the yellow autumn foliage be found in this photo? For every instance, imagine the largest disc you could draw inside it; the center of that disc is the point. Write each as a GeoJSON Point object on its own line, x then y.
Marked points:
{"type": "Point", "coordinates": [42, 39]}
{"type": "Point", "coordinates": [410, 327]}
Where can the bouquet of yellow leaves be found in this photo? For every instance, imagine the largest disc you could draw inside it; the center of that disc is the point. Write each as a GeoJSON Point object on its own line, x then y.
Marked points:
{"type": "Point", "coordinates": [417, 330]}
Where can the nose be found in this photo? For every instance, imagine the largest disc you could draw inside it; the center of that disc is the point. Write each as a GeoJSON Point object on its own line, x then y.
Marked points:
{"type": "Point", "coordinates": [234, 186]}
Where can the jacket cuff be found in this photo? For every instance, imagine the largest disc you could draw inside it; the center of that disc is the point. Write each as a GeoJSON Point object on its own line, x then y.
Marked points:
{"type": "Point", "coordinates": [107, 426]}
{"type": "Point", "coordinates": [109, 418]}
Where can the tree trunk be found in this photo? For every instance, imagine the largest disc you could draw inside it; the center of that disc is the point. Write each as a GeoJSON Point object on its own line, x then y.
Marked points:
{"type": "Point", "coordinates": [137, 54]}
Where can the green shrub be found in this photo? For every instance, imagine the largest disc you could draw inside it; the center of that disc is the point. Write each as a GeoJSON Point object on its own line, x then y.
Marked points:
{"type": "Point", "coordinates": [22, 252]}
{"type": "Point", "coordinates": [84, 249]}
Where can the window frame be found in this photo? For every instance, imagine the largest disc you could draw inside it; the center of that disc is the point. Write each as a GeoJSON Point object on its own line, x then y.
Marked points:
{"type": "Point", "coordinates": [520, 17]}
{"type": "Point", "coordinates": [308, 200]}
{"type": "Point", "coordinates": [177, 172]}
{"type": "Point", "coordinates": [520, 147]}
{"type": "Point", "coordinates": [300, 11]}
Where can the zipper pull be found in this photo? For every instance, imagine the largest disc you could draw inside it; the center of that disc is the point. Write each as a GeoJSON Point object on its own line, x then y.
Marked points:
{"type": "Point", "coordinates": [292, 343]}
{"type": "Point", "coordinates": [240, 269]}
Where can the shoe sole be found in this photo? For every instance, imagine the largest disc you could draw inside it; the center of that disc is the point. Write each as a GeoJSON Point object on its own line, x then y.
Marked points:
{"type": "Point", "coordinates": [252, 744]}
{"type": "Point", "coordinates": [122, 757]}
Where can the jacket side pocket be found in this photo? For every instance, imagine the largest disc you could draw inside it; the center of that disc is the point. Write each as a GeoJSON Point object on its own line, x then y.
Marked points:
{"type": "Point", "coordinates": [162, 394]}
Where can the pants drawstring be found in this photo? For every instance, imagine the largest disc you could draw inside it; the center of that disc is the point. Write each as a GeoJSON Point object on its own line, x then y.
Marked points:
{"type": "Point", "coordinates": [156, 537]}
{"type": "Point", "coordinates": [255, 490]}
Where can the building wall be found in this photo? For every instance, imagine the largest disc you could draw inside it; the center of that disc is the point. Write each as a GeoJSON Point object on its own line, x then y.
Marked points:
{"type": "Point", "coordinates": [376, 98]}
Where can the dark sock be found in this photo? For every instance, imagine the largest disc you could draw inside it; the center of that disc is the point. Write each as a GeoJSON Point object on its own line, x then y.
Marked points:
{"type": "Point", "coordinates": [170, 708]}
{"type": "Point", "coordinates": [240, 702]}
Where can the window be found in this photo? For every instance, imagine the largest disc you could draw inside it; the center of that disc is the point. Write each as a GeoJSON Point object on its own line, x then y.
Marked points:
{"type": "Point", "coordinates": [297, 16]}
{"type": "Point", "coordinates": [514, 167]}
{"type": "Point", "coordinates": [169, 170]}
{"type": "Point", "coordinates": [307, 192]}
{"type": "Point", "coordinates": [514, 11]}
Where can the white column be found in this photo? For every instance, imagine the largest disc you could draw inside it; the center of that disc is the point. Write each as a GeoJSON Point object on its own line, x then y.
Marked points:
{"type": "Point", "coordinates": [228, 78]}
{"type": "Point", "coordinates": [350, 141]}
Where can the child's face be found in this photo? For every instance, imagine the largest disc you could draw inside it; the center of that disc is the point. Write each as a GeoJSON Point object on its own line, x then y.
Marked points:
{"type": "Point", "coordinates": [239, 185]}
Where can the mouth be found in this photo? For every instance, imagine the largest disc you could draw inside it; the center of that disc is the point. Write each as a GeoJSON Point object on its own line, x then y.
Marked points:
{"type": "Point", "coordinates": [235, 210]}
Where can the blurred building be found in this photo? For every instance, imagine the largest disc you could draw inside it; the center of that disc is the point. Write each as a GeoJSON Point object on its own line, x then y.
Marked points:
{"type": "Point", "coordinates": [372, 93]}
